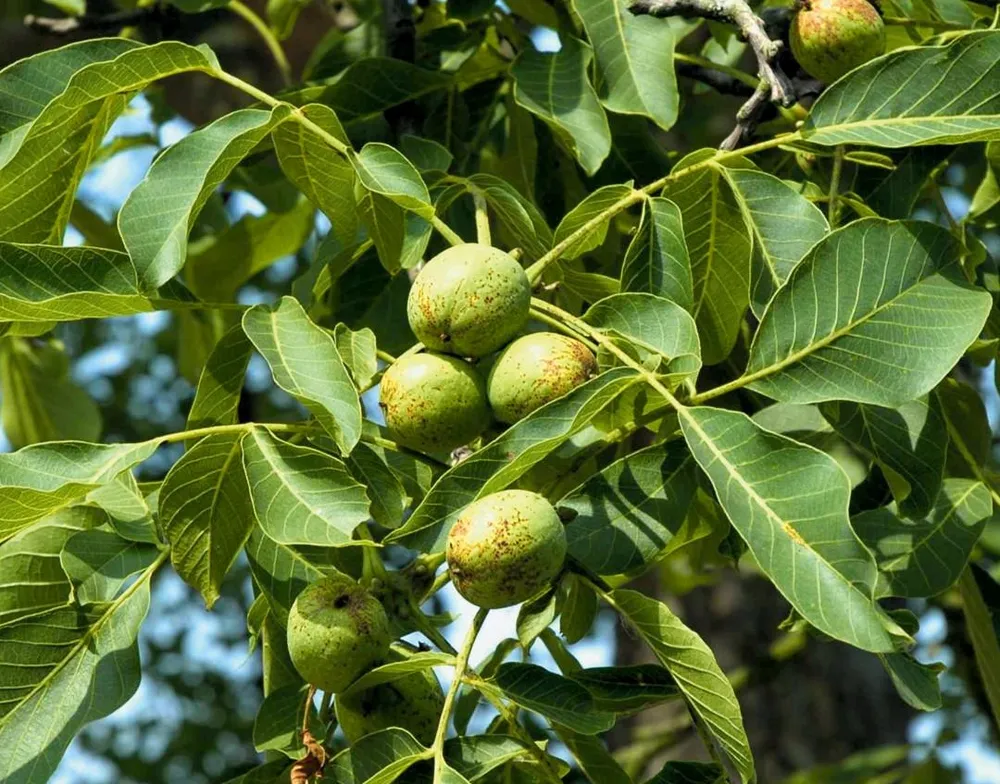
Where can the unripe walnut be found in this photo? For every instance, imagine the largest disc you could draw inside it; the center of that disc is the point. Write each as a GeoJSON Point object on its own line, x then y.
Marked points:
{"type": "Point", "coordinates": [336, 631]}
{"type": "Point", "coordinates": [413, 702]}
{"type": "Point", "coordinates": [469, 300]}
{"type": "Point", "coordinates": [505, 548]}
{"type": "Point", "coordinates": [831, 37]}
{"type": "Point", "coordinates": [535, 370]}
{"type": "Point", "coordinates": [433, 402]}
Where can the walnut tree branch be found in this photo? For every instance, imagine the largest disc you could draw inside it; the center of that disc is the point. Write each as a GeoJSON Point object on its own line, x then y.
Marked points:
{"type": "Point", "coordinates": [775, 87]}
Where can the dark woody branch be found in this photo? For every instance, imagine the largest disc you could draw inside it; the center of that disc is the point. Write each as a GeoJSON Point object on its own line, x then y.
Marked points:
{"type": "Point", "coordinates": [775, 85]}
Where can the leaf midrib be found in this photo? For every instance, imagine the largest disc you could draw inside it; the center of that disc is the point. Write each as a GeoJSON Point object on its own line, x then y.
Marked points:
{"type": "Point", "coordinates": [825, 341]}
{"type": "Point", "coordinates": [89, 634]}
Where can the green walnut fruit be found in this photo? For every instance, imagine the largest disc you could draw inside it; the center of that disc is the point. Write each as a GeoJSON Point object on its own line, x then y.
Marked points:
{"type": "Point", "coordinates": [469, 300]}
{"type": "Point", "coordinates": [336, 631]}
{"type": "Point", "coordinates": [433, 402]}
{"type": "Point", "coordinates": [413, 702]}
{"type": "Point", "coordinates": [535, 370]}
{"type": "Point", "coordinates": [505, 548]}
{"type": "Point", "coordinates": [831, 37]}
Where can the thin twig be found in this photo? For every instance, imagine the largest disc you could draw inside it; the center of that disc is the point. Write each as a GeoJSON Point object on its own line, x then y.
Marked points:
{"type": "Point", "coordinates": [268, 37]}
{"type": "Point", "coordinates": [774, 86]}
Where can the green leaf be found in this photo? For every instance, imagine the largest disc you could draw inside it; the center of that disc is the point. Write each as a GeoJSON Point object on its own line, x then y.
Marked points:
{"type": "Point", "coordinates": [27, 85]}
{"type": "Point", "coordinates": [652, 324]}
{"type": "Point", "coordinates": [517, 217]}
{"type": "Point", "coordinates": [301, 495]}
{"type": "Point", "coordinates": [205, 512]}
{"type": "Point", "coordinates": [275, 772]}
{"type": "Point", "coordinates": [915, 95]}
{"type": "Point", "coordinates": [358, 350]}
{"type": "Point", "coordinates": [657, 261]}
{"type": "Point", "coordinates": [788, 501]}
{"type": "Point", "coordinates": [283, 14]}
{"type": "Point", "coordinates": [579, 610]}
{"type": "Point", "coordinates": [426, 154]}
{"type": "Point", "coordinates": [217, 397]}
{"type": "Point", "coordinates": [394, 670]}
{"type": "Point", "coordinates": [689, 660]}
{"type": "Point", "coordinates": [635, 61]}
{"type": "Point", "coordinates": [554, 87]}
{"type": "Point", "coordinates": [61, 670]}
{"type": "Point", "coordinates": [38, 183]}
{"type": "Point", "coordinates": [400, 236]}
{"type": "Point", "coordinates": [378, 758]}
{"type": "Point", "coordinates": [909, 443]}
{"type": "Point", "coordinates": [534, 617]}
{"type": "Point", "coordinates": [158, 215]}
{"type": "Point", "coordinates": [326, 178]}
{"type": "Point", "coordinates": [278, 724]}
{"type": "Point", "coordinates": [969, 433]}
{"type": "Point", "coordinates": [279, 571]}
{"type": "Point", "coordinates": [507, 458]}
{"type": "Point", "coordinates": [40, 401]}
{"type": "Point", "coordinates": [919, 558]}
{"type": "Point", "coordinates": [475, 756]}
{"type": "Point", "coordinates": [131, 517]}
{"type": "Point", "coordinates": [985, 643]}
{"type": "Point", "coordinates": [217, 268]}
{"type": "Point", "coordinates": [895, 317]}
{"type": "Point", "coordinates": [41, 479]}
{"type": "Point", "coordinates": [684, 772]}
{"type": "Point", "coordinates": [634, 511]}
{"type": "Point", "coordinates": [590, 214]}
{"type": "Point", "coordinates": [32, 580]}
{"type": "Point", "coordinates": [555, 697]}
{"type": "Point", "coordinates": [385, 170]}
{"type": "Point", "coordinates": [593, 758]}
{"type": "Point", "coordinates": [783, 223]}
{"type": "Point", "coordinates": [44, 283]}
{"type": "Point", "coordinates": [916, 683]}
{"type": "Point", "coordinates": [305, 363]}
{"type": "Point", "coordinates": [719, 246]}
{"type": "Point", "coordinates": [98, 563]}
{"type": "Point", "coordinates": [385, 491]}
{"type": "Point", "coordinates": [627, 689]}
{"type": "Point", "coordinates": [371, 85]}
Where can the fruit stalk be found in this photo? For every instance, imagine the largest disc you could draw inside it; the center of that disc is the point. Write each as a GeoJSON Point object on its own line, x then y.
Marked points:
{"type": "Point", "coordinates": [460, 664]}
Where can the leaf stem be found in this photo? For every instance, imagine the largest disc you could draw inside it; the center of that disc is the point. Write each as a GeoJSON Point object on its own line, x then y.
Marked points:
{"type": "Point", "coordinates": [385, 356]}
{"type": "Point", "coordinates": [482, 218]}
{"type": "Point", "coordinates": [267, 36]}
{"type": "Point", "coordinates": [446, 231]}
{"type": "Point", "coordinates": [535, 270]}
{"type": "Point", "coordinates": [833, 205]}
{"type": "Point", "coordinates": [545, 318]}
{"type": "Point", "coordinates": [460, 664]}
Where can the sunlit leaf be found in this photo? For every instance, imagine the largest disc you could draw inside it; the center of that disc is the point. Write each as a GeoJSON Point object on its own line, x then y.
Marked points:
{"type": "Point", "coordinates": [635, 60]}
{"type": "Point", "coordinates": [98, 563]}
{"type": "Point", "coordinates": [894, 316]}
{"type": "Point", "coordinates": [633, 511]}
{"type": "Point", "coordinates": [555, 697]}
{"type": "Point", "coordinates": [657, 259]}
{"type": "Point", "coordinates": [301, 495]}
{"type": "Point", "coordinates": [788, 501]}
{"type": "Point", "coordinates": [698, 675]}
{"type": "Point", "coordinates": [305, 363]}
{"type": "Point", "coordinates": [506, 458]}
{"type": "Point", "coordinates": [205, 512]}
{"type": "Point", "coordinates": [554, 87]}
{"type": "Point", "coordinates": [155, 220]}
{"type": "Point", "coordinates": [925, 557]}
{"type": "Point", "coordinates": [916, 95]}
